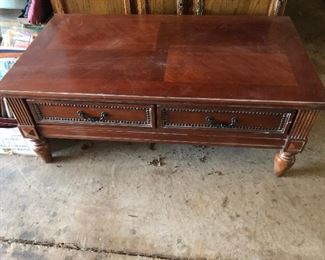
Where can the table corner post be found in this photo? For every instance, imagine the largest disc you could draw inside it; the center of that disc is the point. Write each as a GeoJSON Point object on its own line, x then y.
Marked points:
{"type": "Point", "coordinates": [28, 128]}
{"type": "Point", "coordinates": [296, 140]}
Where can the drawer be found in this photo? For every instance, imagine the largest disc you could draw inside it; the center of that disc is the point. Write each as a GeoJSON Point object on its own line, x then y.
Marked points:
{"type": "Point", "coordinates": [230, 119]}
{"type": "Point", "coordinates": [106, 114]}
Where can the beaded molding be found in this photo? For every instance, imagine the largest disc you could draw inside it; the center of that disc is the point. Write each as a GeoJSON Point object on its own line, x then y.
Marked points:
{"type": "Point", "coordinates": [36, 109]}
{"type": "Point", "coordinates": [281, 128]}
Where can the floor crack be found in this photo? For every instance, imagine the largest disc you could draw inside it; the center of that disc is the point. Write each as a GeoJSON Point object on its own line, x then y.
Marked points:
{"type": "Point", "coordinates": [72, 246]}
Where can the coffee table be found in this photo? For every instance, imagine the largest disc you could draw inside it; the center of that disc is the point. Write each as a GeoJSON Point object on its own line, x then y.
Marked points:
{"type": "Point", "coordinates": [211, 80]}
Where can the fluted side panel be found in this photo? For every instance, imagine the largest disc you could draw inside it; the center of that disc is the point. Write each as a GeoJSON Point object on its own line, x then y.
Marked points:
{"type": "Point", "coordinates": [303, 124]}
{"type": "Point", "coordinates": [20, 111]}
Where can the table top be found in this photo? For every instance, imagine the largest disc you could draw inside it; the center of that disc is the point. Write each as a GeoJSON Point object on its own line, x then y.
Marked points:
{"type": "Point", "coordinates": [168, 58]}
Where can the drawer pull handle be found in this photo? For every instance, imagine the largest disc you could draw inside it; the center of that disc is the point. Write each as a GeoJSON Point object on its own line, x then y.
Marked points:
{"type": "Point", "coordinates": [84, 116]}
{"type": "Point", "coordinates": [213, 122]}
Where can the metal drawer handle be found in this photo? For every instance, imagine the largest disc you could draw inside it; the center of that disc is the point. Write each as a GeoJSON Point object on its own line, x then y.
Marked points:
{"type": "Point", "coordinates": [213, 122]}
{"type": "Point", "coordinates": [84, 116]}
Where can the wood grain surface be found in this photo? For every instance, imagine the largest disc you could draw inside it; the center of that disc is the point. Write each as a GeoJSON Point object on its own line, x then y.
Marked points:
{"type": "Point", "coordinates": [216, 7]}
{"type": "Point", "coordinates": [169, 58]}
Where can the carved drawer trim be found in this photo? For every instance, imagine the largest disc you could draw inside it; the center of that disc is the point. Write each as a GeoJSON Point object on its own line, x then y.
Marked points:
{"type": "Point", "coordinates": [36, 109]}
{"type": "Point", "coordinates": [285, 119]}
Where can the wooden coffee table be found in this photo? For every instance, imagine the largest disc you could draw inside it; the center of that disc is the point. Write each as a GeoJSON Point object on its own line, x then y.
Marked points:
{"type": "Point", "coordinates": [236, 81]}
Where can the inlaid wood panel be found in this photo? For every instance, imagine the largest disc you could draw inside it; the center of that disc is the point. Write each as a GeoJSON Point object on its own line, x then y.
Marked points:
{"type": "Point", "coordinates": [191, 65]}
{"type": "Point", "coordinates": [168, 58]}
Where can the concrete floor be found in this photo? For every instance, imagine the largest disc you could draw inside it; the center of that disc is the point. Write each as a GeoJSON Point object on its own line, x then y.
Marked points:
{"type": "Point", "coordinates": [106, 201]}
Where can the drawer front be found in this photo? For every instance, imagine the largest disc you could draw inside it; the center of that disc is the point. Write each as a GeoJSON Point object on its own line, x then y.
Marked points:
{"type": "Point", "coordinates": [60, 112]}
{"type": "Point", "coordinates": [230, 119]}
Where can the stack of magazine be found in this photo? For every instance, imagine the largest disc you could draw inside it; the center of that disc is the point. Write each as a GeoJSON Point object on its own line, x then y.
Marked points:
{"type": "Point", "coordinates": [14, 41]}
{"type": "Point", "coordinates": [5, 66]}
{"type": "Point", "coordinates": [11, 140]}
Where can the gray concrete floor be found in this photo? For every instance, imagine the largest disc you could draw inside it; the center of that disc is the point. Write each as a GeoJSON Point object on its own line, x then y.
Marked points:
{"type": "Point", "coordinates": [104, 200]}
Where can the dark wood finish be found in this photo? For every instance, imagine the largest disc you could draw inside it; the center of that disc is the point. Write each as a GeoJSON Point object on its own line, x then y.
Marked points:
{"type": "Point", "coordinates": [42, 149]}
{"type": "Point", "coordinates": [58, 112]}
{"type": "Point", "coordinates": [239, 60]}
{"type": "Point", "coordinates": [231, 119]}
{"type": "Point", "coordinates": [238, 81]}
{"type": "Point", "coordinates": [158, 136]}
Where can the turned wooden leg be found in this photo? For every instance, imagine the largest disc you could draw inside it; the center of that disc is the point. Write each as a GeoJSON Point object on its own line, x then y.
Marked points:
{"type": "Point", "coordinates": [42, 149]}
{"type": "Point", "coordinates": [283, 161]}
